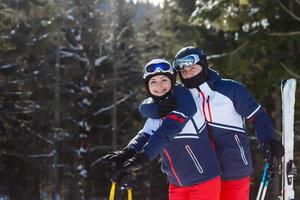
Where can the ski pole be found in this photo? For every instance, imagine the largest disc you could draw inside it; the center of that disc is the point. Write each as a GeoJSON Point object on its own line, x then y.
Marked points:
{"type": "Point", "coordinates": [265, 180]}
{"type": "Point", "coordinates": [129, 193]}
{"type": "Point", "coordinates": [262, 181]}
{"type": "Point", "coordinates": [112, 191]}
{"type": "Point", "coordinates": [128, 186]}
{"type": "Point", "coordinates": [266, 184]}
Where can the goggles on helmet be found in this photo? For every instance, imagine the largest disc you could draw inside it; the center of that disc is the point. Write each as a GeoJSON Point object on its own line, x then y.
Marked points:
{"type": "Point", "coordinates": [186, 61]}
{"type": "Point", "coordinates": [160, 67]}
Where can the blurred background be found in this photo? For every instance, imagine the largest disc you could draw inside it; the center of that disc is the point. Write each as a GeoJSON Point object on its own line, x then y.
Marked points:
{"type": "Point", "coordinates": [71, 83]}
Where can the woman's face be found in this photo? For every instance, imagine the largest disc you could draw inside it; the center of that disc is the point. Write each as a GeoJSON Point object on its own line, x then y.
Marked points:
{"type": "Point", "coordinates": [159, 85]}
{"type": "Point", "coordinates": [191, 71]}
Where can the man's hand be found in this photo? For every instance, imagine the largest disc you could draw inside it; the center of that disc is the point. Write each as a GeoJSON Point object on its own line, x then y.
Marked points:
{"type": "Point", "coordinates": [273, 148]}
{"type": "Point", "coordinates": [165, 106]}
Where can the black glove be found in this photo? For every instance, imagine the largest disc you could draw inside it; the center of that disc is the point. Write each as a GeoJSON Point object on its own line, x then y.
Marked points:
{"type": "Point", "coordinates": [165, 106]}
{"type": "Point", "coordinates": [116, 158]}
{"type": "Point", "coordinates": [273, 148]}
{"type": "Point", "coordinates": [133, 164]}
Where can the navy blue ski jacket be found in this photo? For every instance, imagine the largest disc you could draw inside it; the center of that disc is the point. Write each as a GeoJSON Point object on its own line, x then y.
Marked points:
{"type": "Point", "coordinates": [225, 104]}
{"type": "Point", "coordinates": [181, 138]}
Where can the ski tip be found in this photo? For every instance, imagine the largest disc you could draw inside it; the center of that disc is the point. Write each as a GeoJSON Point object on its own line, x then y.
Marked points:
{"type": "Point", "coordinates": [291, 81]}
{"type": "Point", "coordinates": [283, 82]}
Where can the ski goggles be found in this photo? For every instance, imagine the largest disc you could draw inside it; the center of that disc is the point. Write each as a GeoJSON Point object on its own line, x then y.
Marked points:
{"type": "Point", "coordinates": [186, 61]}
{"type": "Point", "coordinates": [157, 68]}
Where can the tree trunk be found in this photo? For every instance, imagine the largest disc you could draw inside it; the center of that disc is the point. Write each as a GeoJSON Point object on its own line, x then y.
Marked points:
{"type": "Point", "coordinates": [115, 75]}
{"type": "Point", "coordinates": [56, 110]}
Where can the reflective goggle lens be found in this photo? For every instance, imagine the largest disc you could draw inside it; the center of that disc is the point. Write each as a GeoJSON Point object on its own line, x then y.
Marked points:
{"type": "Point", "coordinates": [162, 66]}
{"type": "Point", "coordinates": [186, 61]}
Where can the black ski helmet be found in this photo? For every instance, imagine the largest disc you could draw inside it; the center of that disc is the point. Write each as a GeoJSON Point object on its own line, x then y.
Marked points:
{"type": "Point", "coordinates": [185, 51]}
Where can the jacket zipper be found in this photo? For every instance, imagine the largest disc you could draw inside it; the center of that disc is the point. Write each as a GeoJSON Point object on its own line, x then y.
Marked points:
{"type": "Point", "coordinates": [212, 140]}
{"type": "Point", "coordinates": [195, 160]}
{"type": "Point", "coordinates": [172, 166]}
{"type": "Point", "coordinates": [237, 139]}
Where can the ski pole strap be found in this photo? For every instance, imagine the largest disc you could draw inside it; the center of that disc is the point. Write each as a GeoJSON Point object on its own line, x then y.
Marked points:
{"type": "Point", "coordinates": [112, 191]}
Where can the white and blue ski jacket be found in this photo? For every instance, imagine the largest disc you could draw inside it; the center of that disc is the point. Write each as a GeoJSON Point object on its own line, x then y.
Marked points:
{"type": "Point", "coordinates": [181, 138]}
{"type": "Point", "coordinates": [225, 104]}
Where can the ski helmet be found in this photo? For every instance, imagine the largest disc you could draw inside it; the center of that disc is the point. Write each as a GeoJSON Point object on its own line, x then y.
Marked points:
{"type": "Point", "coordinates": [158, 67]}
{"type": "Point", "coordinates": [189, 56]}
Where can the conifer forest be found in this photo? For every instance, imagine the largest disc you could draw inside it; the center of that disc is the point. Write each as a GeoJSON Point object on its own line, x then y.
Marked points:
{"type": "Point", "coordinates": [71, 82]}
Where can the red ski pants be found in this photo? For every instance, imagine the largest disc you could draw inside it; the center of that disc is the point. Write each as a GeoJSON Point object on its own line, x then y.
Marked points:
{"type": "Point", "coordinates": [208, 190]}
{"type": "Point", "coordinates": [235, 189]}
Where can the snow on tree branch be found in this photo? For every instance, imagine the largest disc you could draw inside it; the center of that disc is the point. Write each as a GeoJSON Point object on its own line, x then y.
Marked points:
{"type": "Point", "coordinates": [98, 61]}
{"type": "Point", "coordinates": [66, 54]}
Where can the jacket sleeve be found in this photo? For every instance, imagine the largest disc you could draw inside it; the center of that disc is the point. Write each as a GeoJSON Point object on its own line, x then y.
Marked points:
{"type": "Point", "coordinates": [249, 108]}
{"type": "Point", "coordinates": [172, 124]}
{"type": "Point", "coordinates": [137, 143]}
{"type": "Point", "coordinates": [148, 109]}
{"type": "Point", "coordinates": [262, 125]}
{"type": "Point", "coordinates": [184, 100]}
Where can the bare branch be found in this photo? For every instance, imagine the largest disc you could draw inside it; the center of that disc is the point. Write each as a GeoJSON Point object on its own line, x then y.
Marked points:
{"type": "Point", "coordinates": [49, 155]}
{"type": "Point", "coordinates": [240, 47]}
{"type": "Point", "coordinates": [102, 147]}
{"type": "Point", "coordinates": [297, 1]}
{"type": "Point", "coordinates": [13, 154]}
{"type": "Point", "coordinates": [226, 54]}
{"type": "Point", "coordinates": [29, 156]}
{"type": "Point", "coordinates": [290, 71]}
{"type": "Point", "coordinates": [111, 106]}
{"type": "Point", "coordinates": [122, 32]}
{"type": "Point", "coordinates": [285, 34]}
{"type": "Point", "coordinates": [104, 126]}
{"type": "Point", "coordinates": [45, 139]}
{"type": "Point", "coordinates": [216, 56]}
{"type": "Point", "coordinates": [288, 11]}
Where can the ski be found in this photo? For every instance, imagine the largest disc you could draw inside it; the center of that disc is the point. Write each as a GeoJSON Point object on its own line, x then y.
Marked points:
{"type": "Point", "coordinates": [288, 89]}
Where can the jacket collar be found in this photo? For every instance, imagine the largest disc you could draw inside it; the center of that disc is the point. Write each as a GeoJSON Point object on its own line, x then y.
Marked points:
{"type": "Point", "coordinates": [213, 76]}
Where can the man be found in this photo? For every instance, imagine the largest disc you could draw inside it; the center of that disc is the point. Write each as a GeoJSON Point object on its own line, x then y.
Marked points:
{"type": "Point", "coordinates": [225, 104]}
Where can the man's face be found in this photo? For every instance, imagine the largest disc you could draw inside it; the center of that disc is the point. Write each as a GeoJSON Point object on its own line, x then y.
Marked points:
{"type": "Point", "coordinates": [189, 72]}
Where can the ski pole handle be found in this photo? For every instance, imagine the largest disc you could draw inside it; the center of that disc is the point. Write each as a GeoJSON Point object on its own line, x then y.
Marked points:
{"type": "Point", "coordinates": [129, 194]}
{"type": "Point", "coordinates": [112, 191]}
